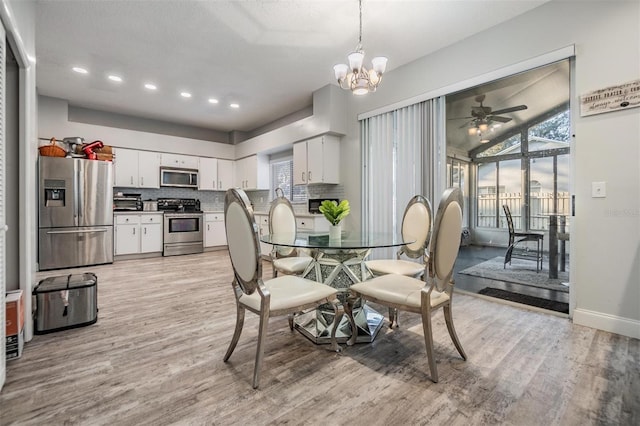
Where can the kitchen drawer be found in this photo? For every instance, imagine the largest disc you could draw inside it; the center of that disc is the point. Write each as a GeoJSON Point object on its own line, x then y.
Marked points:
{"type": "Point", "coordinates": [262, 220]}
{"type": "Point", "coordinates": [127, 219]}
{"type": "Point", "coordinates": [151, 218]}
{"type": "Point", "coordinates": [214, 217]}
{"type": "Point", "coordinates": [304, 224]}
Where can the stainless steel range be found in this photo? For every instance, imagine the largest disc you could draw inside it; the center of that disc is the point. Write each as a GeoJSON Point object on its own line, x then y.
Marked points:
{"type": "Point", "coordinates": [182, 226]}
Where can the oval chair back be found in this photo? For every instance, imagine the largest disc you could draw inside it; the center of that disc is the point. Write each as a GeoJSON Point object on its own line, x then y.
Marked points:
{"type": "Point", "coordinates": [417, 226]}
{"type": "Point", "coordinates": [445, 242]}
{"type": "Point", "coordinates": [242, 240]}
{"type": "Point", "coordinates": [282, 221]}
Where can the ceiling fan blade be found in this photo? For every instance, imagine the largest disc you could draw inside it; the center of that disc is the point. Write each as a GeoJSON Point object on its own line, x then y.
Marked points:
{"type": "Point", "coordinates": [511, 109]}
{"type": "Point", "coordinates": [466, 124]}
{"type": "Point", "coordinates": [459, 118]}
{"type": "Point", "coordinates": [498, 118]}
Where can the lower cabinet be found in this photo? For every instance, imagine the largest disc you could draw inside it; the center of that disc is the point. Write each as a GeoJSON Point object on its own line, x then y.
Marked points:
{"type": "Point", "coordinates": [137, 233]}
{"type": "Point", "coordinates": [263, 229]}
{"type": "Point", "coordinates": [214, 232]}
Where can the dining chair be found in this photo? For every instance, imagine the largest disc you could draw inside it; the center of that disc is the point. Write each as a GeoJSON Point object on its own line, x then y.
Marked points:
{"type": "Point", "coordinates": [434, 290]}
{"type": "Point", "coordinates": [275, 297]}
{"type": "Point", "coordinates": [516, 238]}
{"type": "Point", "coordinates": [416, 227]}
{"type": "Point", "coordinates": [282, 221]}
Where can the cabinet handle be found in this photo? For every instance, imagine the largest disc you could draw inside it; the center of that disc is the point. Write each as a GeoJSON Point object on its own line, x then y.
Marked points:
{"type": "Point", "coordinates": [309, 174]}
{"type": "Point", "coordinates": [208, 229]}
{"type": "Point", "coordinates": [303, 177]}
{"type": "Point", "coordinates": [145, 231]}
{"type": "Point", "coordinates": [142, 180]}
{"type": "Point", "coordinates": [131, 180]}
{"type": "Point", "coordinates": [219, 184]}
{"type": "Point", "coordinates": [134, 231]}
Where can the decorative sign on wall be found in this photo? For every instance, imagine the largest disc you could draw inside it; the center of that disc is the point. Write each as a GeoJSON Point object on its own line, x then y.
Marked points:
{"type": "Point", "coordinates": [611, 99]}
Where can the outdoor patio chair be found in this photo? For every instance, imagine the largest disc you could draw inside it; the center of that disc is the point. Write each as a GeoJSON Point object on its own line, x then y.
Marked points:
{"type": "Point", "coordinates": [517, 249]}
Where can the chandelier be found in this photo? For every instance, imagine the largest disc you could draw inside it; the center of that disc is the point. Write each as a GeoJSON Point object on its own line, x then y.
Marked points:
{"type": "Point", "coordinates": [355, 76]}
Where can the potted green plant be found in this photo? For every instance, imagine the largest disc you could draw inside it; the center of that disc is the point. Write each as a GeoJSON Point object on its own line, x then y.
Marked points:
{"type": "Point", "coordinates": [334, 213]}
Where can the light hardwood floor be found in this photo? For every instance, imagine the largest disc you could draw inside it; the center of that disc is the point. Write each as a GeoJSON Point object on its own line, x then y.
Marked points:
{"type": "Point", "coordinates": [155, 357]}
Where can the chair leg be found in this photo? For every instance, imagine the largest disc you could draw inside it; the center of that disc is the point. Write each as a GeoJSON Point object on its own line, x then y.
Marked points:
{"type": "Point", "coordinates": [448, 318]}
{"type": "Point", "coordinates": [428, 340]}
{"type": "Point", "coordinates": [393, 316]}
{"type": "Point", "coordinates": [290, 319]}
{"type": "Point", "coordinates": [237, 332]}
{"type": "Point", "coordinates": [337, 318]}
{"type": "Point", "coordinates": [262, 333]}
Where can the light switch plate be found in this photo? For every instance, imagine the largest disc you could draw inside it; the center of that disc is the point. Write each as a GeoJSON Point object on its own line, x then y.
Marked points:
{"type": "Point", "coordinates": [598, 189]}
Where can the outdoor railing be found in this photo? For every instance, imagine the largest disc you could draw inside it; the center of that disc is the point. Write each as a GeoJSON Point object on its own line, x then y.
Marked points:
{"type": "Point", "coordinates": [541, 207]}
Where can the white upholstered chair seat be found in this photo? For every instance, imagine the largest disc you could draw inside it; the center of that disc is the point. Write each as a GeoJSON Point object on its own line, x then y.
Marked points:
{"type": "Point", "coordinates": [395, 266]}
{"type": "Point", "coordinates": [288, 292]}
{"type": "Point", "coordinates": [292, 265]}
{"type": "Point", "coordinates": [398, 289]}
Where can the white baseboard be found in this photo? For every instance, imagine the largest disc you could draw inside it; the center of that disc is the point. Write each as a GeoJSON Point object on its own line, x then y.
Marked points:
{"type": "Point", "coordinates": [619, 325]}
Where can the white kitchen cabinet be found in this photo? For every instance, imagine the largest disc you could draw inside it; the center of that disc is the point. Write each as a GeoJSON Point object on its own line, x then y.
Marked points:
{"type": "Point", "coordinates": [316, 161]}
{"type": "Point", "coordinates": [252, 172]}
{"type": "Point", "coordinates": [151, 233]}
{"type": "Point", "coordinates": [208, 170]}
{"type": "Point", "coordinates": [214, 232]}
{"type": "Point", "coordinates": [179, 161]}
{"type": "Point", "coordinates": [215, 174]}
{"type": "Point", "coordinates": [136, 169]}
{"type": "Point", "coordinates": [138, 233]}
{"type": "Point", "coordinates": [127, 234]}
{"type": "Point", "coordinates": [312, 224]}
{"type": "Point", "coordinates": [225, 174]}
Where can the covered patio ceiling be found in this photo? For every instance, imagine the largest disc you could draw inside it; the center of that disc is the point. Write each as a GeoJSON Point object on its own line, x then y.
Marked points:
{"type": "Point", "coordinates": [542, 90]}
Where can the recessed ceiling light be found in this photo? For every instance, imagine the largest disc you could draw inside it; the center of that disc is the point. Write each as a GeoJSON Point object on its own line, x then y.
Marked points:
{"type": "Point", "coordinates": [234, 105]}
{"type": "Point", "coordinates": [150, 86]}
{"type": "Point", "coordinates": [115, 78]}
{"type": "Point", "coordinates": [213, 101]}
{"type": "Point", "coordinates": [80, 70]}
{"type": "Point", "coordinates": [185, 94]}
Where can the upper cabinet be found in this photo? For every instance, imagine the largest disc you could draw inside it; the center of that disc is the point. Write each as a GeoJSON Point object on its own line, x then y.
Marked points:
{"type": "Point", "coordinates": [179, 161]}
{"type": "Point", "coordinates": [252, 172]}
{"type": "Point", "coordinates": [316, 161]}
{"type": "Point", "coordinates": [136, 169]}
{"type": "Point", "coordinates": [216, 175]}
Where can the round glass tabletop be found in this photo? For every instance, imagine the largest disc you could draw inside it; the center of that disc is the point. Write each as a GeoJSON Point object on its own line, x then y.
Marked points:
{"type": "Point", "coordinates": [348, 240]}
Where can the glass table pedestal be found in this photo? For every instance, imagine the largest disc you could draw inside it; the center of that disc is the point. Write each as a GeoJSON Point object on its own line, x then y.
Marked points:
{"type": "Point", "coordinates": [339, 268]}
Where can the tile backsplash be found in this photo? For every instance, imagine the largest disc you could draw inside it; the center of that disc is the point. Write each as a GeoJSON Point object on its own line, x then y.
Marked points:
{"type": "Point", "coordinates": [214, 200]}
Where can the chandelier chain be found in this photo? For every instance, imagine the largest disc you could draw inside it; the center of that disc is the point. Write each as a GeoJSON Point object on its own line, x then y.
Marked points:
{"type": "Point", "coordinates": [360, 37]}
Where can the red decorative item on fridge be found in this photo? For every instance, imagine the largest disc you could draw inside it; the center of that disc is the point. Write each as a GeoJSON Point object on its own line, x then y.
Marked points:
{"type": "Point", "coordinates": [88, 149]}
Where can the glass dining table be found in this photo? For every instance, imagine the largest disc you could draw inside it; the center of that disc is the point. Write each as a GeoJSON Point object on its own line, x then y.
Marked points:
{"type": "Point", "coordinates": [339, 263]}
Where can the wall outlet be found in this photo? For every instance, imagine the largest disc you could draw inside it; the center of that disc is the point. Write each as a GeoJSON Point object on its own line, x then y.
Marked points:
{"type": "Point", "coordinates": [598, 189]}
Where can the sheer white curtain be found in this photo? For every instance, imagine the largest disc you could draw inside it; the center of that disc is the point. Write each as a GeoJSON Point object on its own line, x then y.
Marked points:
{"type": "Point", "coordinates": [402, 157]}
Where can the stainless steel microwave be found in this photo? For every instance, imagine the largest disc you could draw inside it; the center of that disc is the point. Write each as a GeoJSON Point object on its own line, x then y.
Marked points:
{"type": "Point", "coordinates": [186, 178]}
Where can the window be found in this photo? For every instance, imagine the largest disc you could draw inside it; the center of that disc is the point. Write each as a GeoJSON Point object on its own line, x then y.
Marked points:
{"type": "Point", "coordinates": [543, 161]}
{"type": "Point", "coordinates": [282, 177]}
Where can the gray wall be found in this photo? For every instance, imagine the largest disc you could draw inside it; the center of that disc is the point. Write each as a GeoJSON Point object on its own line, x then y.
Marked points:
{"type": "Point", "coordinates": [606, 231]}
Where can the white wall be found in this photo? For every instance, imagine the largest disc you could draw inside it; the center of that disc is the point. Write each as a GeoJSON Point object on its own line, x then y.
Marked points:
{"type": "Point", "coordinates": [605, 267]}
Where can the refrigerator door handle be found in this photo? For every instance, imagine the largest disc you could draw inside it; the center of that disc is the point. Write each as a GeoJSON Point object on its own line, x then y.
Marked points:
{"type": "Point", "coordinates": [80, 189]}
{"type": "Point", "coordinates": [77, 231]}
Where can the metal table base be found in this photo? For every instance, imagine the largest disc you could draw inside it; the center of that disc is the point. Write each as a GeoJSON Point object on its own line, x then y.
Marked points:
{"type": "Point", "coordinates": [339, 269]}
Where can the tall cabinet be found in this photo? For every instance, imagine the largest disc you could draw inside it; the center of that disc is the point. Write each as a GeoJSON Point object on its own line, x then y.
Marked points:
{"type": "Point", "coordinates": [136, 169]}
{"type": "Point", "coordinates": [316, 161]}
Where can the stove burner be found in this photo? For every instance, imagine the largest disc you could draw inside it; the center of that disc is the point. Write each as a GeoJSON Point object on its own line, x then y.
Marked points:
{"type": "Point", "coordinates": [179, 205]}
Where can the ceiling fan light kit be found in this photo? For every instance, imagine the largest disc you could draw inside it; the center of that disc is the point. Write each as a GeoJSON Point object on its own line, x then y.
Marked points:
{"type": "Point", "coordinates": [355, 76]}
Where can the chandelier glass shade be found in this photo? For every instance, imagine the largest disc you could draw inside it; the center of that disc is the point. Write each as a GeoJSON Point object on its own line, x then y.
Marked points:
{"type": "Point", "coordinates": [355, 76]}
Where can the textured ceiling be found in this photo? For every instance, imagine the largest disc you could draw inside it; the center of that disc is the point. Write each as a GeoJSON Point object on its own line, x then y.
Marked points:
{"type": "Point", "coordinates": [268, 56]}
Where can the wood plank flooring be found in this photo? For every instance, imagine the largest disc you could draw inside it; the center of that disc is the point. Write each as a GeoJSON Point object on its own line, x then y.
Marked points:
{"type": "Point", "coordinates": [155, 358]}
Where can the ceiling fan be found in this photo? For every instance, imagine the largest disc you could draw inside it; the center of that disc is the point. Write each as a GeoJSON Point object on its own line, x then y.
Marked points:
{"type": "Point", "coordinates": [484, 114]}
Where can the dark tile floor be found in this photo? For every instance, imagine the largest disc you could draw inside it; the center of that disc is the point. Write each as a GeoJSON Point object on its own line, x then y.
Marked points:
{"type": "Point", "coordinates": [472, 255]}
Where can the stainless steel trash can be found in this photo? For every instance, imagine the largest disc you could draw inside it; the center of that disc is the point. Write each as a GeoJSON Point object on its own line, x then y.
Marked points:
{"type": "Point", "coordinates": [66, 301]}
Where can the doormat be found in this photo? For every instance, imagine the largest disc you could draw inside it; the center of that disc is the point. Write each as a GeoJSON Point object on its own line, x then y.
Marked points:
{"type": "Point", "coordinates": [519, 272]}
{"type": "Point", "coordinates": [551, 305]}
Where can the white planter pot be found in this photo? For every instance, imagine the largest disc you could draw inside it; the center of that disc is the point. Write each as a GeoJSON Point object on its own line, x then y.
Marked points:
{"type": "Point", "coordinates": [335, 232]}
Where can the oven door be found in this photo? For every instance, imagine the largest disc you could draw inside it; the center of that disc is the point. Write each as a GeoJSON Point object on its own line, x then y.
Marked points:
{"type": "Point", "coordinates": [182, 228]}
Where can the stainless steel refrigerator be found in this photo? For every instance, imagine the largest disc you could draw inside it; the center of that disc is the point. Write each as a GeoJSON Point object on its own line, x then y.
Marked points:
{"type": "Point", "coordinates": [75, 212]}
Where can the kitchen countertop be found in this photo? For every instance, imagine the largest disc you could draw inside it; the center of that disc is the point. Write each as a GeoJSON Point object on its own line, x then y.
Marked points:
{"type": "Point", "coordinates": [311, 215]}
